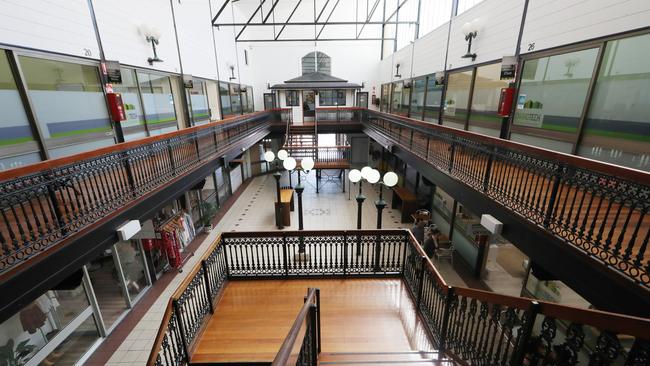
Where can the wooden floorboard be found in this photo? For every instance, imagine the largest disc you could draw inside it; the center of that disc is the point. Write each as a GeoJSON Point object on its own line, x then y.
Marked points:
{"type": "Point", "coordinates": [361, 315]}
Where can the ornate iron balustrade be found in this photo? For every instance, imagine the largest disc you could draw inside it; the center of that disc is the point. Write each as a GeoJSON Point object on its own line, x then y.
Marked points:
{"type": "Point", "coordinates": [43, 204]}
{"type": "Point", "coordinates": [341, 114]}
{"type": "Point", "coordinates": [602, 209]}
{"type": "Point", "coordinates": [323, 154]}
{"type": "Point", "coordinates": [468, 325]}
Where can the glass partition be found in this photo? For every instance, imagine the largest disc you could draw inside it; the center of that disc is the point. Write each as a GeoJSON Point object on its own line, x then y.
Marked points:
{"type": "Point", "coordinates": [132, 262]}
{"type": "Point", "coordinates": [224, 94]}
{"type": "Point", "coordinates": [396, 97]}
{"type": "Point", "coordinates": [457, 99]}
{"type": "Point", "coordinates": [69, 104]}
{"type": "Point", "coordinates": [134, 125]}
{"type": "Point", "coordinates": [108, 287]}
{"type": "Point", "coordinates": [432, 101]}
{"type": "Point", "coordinates": [251, 99]}
{"type": "Point", "coordinates": [485, 100]}
{"type": "Point", "coordinates": [417, 99]}
{"type": "Point", "coordinates": [385, 98]}
{"type": "Point", "coordinates": [551, 99]}
{"type": "Point", "coordinates": [244, 98]}
{"type": "Point", "coordinates": [199, 100]}
{"type": "Point", "coordinates": [158, 102]}
{"type": "Point", "coordinates": [617, 127]}
{"type": "Point", "coordinates": [235, 99]}
{"type": "Point", "coordinates": [18, 145]}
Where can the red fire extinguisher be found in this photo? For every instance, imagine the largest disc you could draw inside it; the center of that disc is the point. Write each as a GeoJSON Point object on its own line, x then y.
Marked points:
{"type": "Point", "coordinates": [505, 101]}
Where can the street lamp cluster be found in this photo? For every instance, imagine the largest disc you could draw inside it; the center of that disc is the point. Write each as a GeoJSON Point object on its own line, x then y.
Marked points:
{"type": "Point", "coordinates": [371, 176]}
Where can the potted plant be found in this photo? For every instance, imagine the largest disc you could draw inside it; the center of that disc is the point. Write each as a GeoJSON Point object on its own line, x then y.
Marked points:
{"type": "Point", "coordinates": [208, 212]}
{"type": "Point", "coordinates": [19, 356]}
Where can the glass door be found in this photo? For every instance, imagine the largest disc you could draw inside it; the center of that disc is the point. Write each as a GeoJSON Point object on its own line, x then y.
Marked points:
{"type": "Point", "coordinates": [362, 99]}
{"type": "Point", "coordinates": [269, 101]}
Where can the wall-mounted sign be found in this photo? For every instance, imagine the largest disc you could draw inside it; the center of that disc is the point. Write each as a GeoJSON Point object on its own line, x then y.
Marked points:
{"type": "Point", "coordinates": [113, 72]}
{"type": "Point", "coordinates": [188, 81]}
{"type": "Point", "coordinates": [508, 67]}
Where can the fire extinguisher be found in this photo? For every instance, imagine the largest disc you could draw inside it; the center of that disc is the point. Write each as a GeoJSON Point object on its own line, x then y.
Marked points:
{"type": "Point", "coordinates": [505, 101]}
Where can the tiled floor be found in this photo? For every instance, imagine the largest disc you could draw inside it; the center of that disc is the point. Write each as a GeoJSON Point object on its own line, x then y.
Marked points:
{"type": "Point", "coordinates": [253, 211]}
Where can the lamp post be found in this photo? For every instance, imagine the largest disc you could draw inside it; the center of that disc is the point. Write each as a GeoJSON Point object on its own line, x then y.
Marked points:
{"type": "Point", "coordinates": [306, 164]}
{"type": "Point", "coordinates": [390, 180]}
{"type": "Point", "coordinates": [269, 156]}
{"type": "Point", "coordinates": [357, 176]}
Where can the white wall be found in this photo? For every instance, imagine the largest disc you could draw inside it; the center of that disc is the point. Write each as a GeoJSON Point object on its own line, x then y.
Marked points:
{"type": "Point", "coordinates": [273, 63]}
{"type": "Point", "coordinates": [193, 22]}
{"type": "Point", "coordinates": [552, 23]}
{"type": "Point", "coordinates": [63, 27]}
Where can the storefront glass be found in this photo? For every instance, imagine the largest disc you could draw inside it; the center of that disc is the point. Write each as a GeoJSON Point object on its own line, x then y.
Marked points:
{"type": "Point", "coordinates": [417, 99]}
{"type": "Point", "coordinates": [68, 101]}
{"type": "Point", "coordinates": [108, 287]}
{"type": "Point", "coordinates": [396, 97]}
{"type": "Point", "coordinates": [251, 100]}
{"type": "Point", "coordinates": [224, 94]}
{"type": "Point", "coordinates": [331, 97]}
{"type": "Point", "coordinates": [75, 346]}
{"type": "Point", "coordinates": [134, 125]}
{"type": "Point", "coordinates": [485, 100]}
{"type": "Point", "coordinates": [199, 100]}
{"type": "Point", "coordinates": [17, 143]}
{"type": "Point", "coordinates": [223, 185]}
{"type": "Point", "coordinates": [235, 99]}
{"type": "Point", "coordinates": [617, 127]}
{"type": "Point", "coordinates": [432, 102]}
{"type": "Point", "coordinates": [158, 103]}
{"type": "Point", "coordinates": [42, 320]}
{"type": "Point", "coordinates": [457, 99]}
{"type": "Point", "coordinates": [132, 262]}
{"type": "Point", "coordinates": [385, 98]}
{"type": "Point", "coordinates": [551, 99]}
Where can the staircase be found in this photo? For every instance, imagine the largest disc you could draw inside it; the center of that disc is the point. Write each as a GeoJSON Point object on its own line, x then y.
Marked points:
{"type": "Point", "coordinates": [302, 136]}
{"type": "Point", "coordinates": [412, 358]}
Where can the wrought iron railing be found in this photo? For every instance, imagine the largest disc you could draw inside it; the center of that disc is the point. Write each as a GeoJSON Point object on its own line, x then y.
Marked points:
{"type": "Point", "coordinates": [323, 154]}
{"type": "Point", "coordinates": [43, 204]}
{"type": "Point", "coordinates": [468, 325]}
{"type": "Point", "coordinates": [340, 114]}
{"type": "Point", "coordinates": [188, 309]}
{"type": "Point", "coordinates": [303, 343]}
{"type": "Point", "coordinates": [602, 209]}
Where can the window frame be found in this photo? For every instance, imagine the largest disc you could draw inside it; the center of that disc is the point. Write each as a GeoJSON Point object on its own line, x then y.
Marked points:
{"type": "Point", "coordinates": [290, 95]}
{"type": "Point", "coordinates": [333, 102]}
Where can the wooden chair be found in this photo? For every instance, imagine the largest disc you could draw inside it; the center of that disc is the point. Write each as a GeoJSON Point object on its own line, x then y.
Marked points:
{"type": "Point", "coordinates": [445, 253]}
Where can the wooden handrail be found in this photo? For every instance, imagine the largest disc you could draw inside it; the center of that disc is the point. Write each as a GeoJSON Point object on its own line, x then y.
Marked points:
{"type": "Point", "coordinates": [286, 350]}
{"type": "Point", "coordinates": [151, 361]}
{"type": "Point", "coordinates": [574, 160]}
{"type": "Point", "coordinates": [65, 160]}
{"type": "Point", "coordinates": [340, 109]}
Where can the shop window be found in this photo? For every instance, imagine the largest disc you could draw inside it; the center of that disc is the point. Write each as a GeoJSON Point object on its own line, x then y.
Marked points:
{"type": "Point", "coordinates": [224, 95]}
{"type": "Point", "coordinates": [108, 287]}
{"type": "Point", "coordinates": [223, 185]}
{"type": "Point", "coordinates": [134, 125]}
{"type": "Point", "coordinates": [417, 99]}
{"type": "Point", "coordinates": [551, 99]}
{"type": "Point", "coordinates": [55, 312]}
{"type": "Point", "coordinates": [199, 100]}
{"type": "Point", "coordinates": [133, 267]}
{"type": "Point", "coordinates": [18, 145]}
{"type": "Point", "coordinates": [75, 346]}
{"type": "Point", "coordinates": [251, 102]}
{"type": "Point", "coordinates": [235, 99]}
{"type": "Point", "coordinates": [396, 97]}
{"type": "Point", "coordinates": [432, 101]}
{"type": "Point", "coordinates": [158, 101]}
{"type": "Point", "coordinates": [331, 97]}
{"type": "Point", "coordinates": [457, 99]}
{"type": "Point", "coordinates": [485, 100]}
{"type": "Point", "coordinates": [69, 104]}
{"type": "Point", "coordinates": [293, 100]}
{"type": "Point", "coordinates": [617, 128]}
{"type": "Point", "coordinates": [385, 98]}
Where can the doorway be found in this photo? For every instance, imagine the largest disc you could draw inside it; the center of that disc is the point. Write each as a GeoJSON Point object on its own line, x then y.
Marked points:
{"type": "Point", "coordinates": [308, 105]}
{"type": "Point", "coordinates": [269, 101]}
{"type": "Point", "coordinates": [362, 99]}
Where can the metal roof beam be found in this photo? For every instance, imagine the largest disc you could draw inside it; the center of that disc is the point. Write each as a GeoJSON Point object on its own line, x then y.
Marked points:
{"type": "Point", "coordinates": [288, 19]}
{"type": "Point", "coordinates": [310, 23]}
{"type": "Point", "coordinates": [374, 7]}
{"type": "Point", "coordinates": [396, 10]}
{"type": "Point", "coordinates": [250, 19]}
{"type": "Point", "coordinates": [328, 18]}
{"type": "Point", "coordinates": [220, 11]}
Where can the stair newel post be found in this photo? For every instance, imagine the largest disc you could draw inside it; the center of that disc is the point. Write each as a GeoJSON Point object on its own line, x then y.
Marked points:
{"type": "Point", "coordinates": [318, 311]}
{"type": "Point", "coordinates": [206, 278]}
{"type": "Point", "coordinates": [445, 322]}
{"type": "Point", "coordinates": [181, 330]}
{"type": "Point", "coordinates": [525, 333]}
{"type": "Point", "coordinates": [423, 264]}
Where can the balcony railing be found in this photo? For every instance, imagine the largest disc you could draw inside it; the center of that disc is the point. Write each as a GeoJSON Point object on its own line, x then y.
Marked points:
{"type": "Point", "coordinates": [471, 326]}
{"type": "Point", "coordinates": [43, 204]}
{"type": "Point", "coordinates": [601, 209]}
{"type": "Point", "coordinates": [340, 114]}
{"type": "Point", "coordinates": [321, 154]}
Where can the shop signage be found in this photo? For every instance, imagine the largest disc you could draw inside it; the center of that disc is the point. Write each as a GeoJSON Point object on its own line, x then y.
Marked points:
{"type": "Point", "coordinates": [508, 67]}
{"type": "Point", "coordinates": [188, 82]}
{"type": "Point", "coordinates": [113, 72]}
